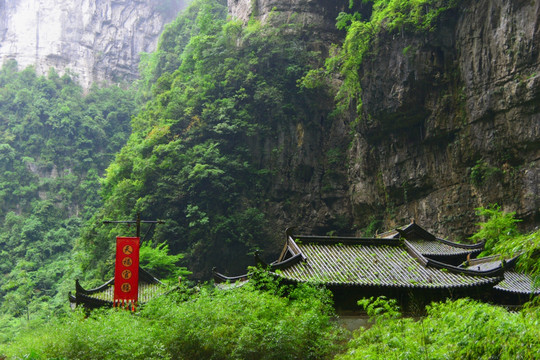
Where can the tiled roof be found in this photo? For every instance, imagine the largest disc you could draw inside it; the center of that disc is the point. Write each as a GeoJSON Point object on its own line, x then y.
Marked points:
{"type": "Point", "coordinates": [515, 282]}
{"type": "Point", "coordinates": [488, 263]}
{"type": "Point", "coordinates": [146, 292]}
{"type": "Point", "coordinates": [367, 263]}
{"type": "Point", "coordinates": [428, 244]}
{"type": "Point", "coordinates": [438, 247]}
{"type": "Point", "coordinates": [149, 287]}
{"type": "Point", "coordinates": [409, 229]}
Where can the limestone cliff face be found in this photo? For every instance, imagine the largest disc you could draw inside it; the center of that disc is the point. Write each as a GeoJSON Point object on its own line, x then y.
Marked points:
{"type": "Point", "coordinates": [318, 15]}
{"type": "Point", "coordinates": [451, 121]}
{"type": "Point", "coordinates": [98, 39]}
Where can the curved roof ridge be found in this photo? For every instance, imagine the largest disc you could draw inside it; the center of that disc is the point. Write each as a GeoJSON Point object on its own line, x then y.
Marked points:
{"type": "Point", "coordinates": [144, 276]}
{"type": "Point", "coordinates": [100, 288]}
{"type": "Point", "coordinates": [220, 278]}
{"type": "Point", "coordinates": [496, 257]}
{"type": "Point", "coordinates": [498, 272]}
{"type": "Point", "coordinates": [413, 227]}
{"type": "Point", "coordinates": [288, 262]}
{"type": "Point", "coordinates": [479, 245]}
{"type": "Point", "coordinates": [346, 240]}
{"type": "Point", "coordinates": [504, 264]}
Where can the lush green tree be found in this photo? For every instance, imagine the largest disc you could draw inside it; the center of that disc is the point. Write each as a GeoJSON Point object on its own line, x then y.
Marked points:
{"type": "Point", "coordinates": [498, 227]}
{"type": "Point", "coordinates": [158, 261]}
{"type": "Point", "coordinates": [56, 143]}
{"type": "Point", "coordinates": [216, 89]}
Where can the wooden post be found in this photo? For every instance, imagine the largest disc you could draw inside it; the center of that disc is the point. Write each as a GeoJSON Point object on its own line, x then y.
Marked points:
{"type": "Point", "coordinates": [126, 273]}
{"type": "Point", "coordinates": [137, 223]}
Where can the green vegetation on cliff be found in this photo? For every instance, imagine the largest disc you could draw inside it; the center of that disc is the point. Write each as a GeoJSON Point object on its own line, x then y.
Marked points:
{"type": "Point", "coordinates": [362, 34]}
{"type": "Point", "coordinates": [218, 94]}
{"type": "Point", "coordinates": [55, 143]}
{"type": "Point", "coordinates": [218, 90]}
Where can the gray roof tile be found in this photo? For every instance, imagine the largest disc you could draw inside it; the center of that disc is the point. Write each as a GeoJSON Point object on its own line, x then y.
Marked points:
{"type": "Point", "coordinates": [517, 283]}
{"type": "Point", "coordinates": [367, 264]}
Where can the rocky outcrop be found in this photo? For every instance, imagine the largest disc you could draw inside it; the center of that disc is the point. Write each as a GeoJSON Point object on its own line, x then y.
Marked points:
{"type": "Point", "coordinates": [450, 122]}
{"type": "Point", "coordinates": [317, 16]}
{"type": "Point", "coordinates": [100, 40]}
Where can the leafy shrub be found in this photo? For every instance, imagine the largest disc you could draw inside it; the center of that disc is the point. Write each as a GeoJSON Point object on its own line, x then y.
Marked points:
{"type": "Point", "coordinates": [247, 324]}
{"type": "Point", "coordinates": [528, 245]}
{"type": "Point", "coordinates": [244, 323]}
{"type": "Point", "coordinates": [107, 334]}
{"type": "Point", "coordinates": [498, 227]}
{"type": "Point", "coordinates": [160, 263]}
{"type": "Point", "coordinates": [380, 307]}
{"type": "Point", "coordinates": [502, 236]}
{"type": "Point", "coordinates": [462, 329]}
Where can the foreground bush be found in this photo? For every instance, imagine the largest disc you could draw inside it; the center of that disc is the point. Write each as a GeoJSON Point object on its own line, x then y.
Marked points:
{"type": "Point", "coordinates": [244, 323]}
{"type": "Point", "coordinates": [462, 329]}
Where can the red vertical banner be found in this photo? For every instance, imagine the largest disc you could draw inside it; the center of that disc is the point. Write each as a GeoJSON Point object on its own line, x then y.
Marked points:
{"type": "Point", "coordinates": [126, 272]}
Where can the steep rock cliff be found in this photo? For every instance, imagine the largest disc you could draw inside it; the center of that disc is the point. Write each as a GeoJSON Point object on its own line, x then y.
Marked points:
{"type": "Point", "coordinates": [450, 121]}
{"type": "Point", "coordinates": [99, 40]}
{"type": "Point", "coordinates": [317, 16]}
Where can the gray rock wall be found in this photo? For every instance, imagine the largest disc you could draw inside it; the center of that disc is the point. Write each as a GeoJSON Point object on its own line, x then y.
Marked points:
{"type": "Point", "coordinates": [453, 122]}
{"type": "Point", "coordinates": [317, 15]}
{"type": "Point", "coordinates": [450, 122]}
{"type": "Point", "coordinates": [100, 40]}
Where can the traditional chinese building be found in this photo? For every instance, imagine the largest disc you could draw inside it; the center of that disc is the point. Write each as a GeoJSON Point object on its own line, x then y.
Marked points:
{"type": "Point", "coordinates": [102, 296]}
{"type": "Point", "coordinates": [408, 264]}
{"type": "Point", "coordinates": [434, 247]}
{"type": "Point", "coordinates": [515, 288]}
